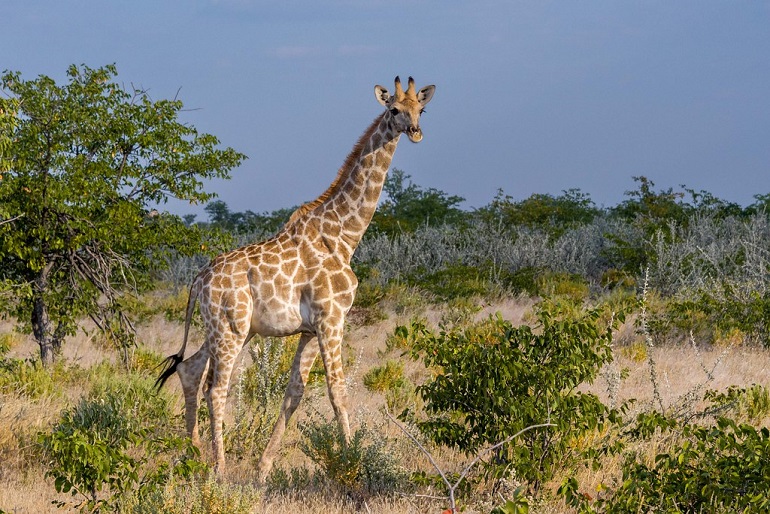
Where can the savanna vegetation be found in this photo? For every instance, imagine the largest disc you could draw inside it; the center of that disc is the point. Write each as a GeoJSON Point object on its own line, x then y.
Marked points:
{"type": "Point", "coordinates": [540, 355]}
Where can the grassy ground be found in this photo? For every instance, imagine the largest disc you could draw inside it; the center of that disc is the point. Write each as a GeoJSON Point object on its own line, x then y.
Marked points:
{"type": "Point", "coordinates": [680, 370]}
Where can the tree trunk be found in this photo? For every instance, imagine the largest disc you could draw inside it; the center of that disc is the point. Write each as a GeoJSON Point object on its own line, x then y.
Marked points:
{"type": "Point", "coordinates": [41, 324]}
{"type": "Point", "coordinates": [41, 328]}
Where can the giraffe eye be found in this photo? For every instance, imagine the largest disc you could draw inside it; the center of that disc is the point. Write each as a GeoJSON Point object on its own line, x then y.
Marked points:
{"type": "Point", "coordinates": [393, 111]}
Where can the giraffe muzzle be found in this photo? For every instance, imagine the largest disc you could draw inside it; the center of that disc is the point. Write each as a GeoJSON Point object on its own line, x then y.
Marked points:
{"type": "Point", "coordinates": [414, 134]}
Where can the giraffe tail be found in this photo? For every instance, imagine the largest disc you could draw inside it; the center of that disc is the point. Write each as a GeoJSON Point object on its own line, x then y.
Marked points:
{"type": "Point", "coordinates": [170, 363]}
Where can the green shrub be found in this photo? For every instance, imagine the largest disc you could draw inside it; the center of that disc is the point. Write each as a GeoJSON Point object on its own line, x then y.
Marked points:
{"type": "Point", "coordinates": [144, 360]}
{"type": "Point", "coordinates": [363, 465]}
{"type": "Point", "coordinates": [404, 298]}
{"type": "Point", "coordinates": [259, 391]}
{"type": "Point", "coordinates": [7, 342]}
{"type": "Point", "coordinates": [110, 442]}
{"type": "Point", "coordinates": [459, 312]}
{"type": "Point", "coordinates": [720, 468]}
{"type": "Point", "coordinates": [389, 379]}
{"type": "Point", "coordinates": [493, 380]}
{"type": "Point", "coordinates": [751, 404]}
{"type": "Point", "coordinates": [28, 378]}
{"type": "Point", "coordinates": [386, 377]}
{"type": "Point", "coordinates": [724, 311]}
{"type": "Point", "coordinates": [403, 336]}
{"type": "Point", "coordinates": [368, 294]}
{"type": "Point", "coordinates": [542, 282]}
{"type": "Point", "coordinates": [453, 281]}
{"type": "Point", "coordinates": [136, 396]}
{"type": "Point", "coordinates": [211, 496]}
{"type": "Point", "coordinates": [523, 280]}
{"type": "Point", "coordinates": [367, 308]}
{"type": "Point", "coordinates": [562, 284]}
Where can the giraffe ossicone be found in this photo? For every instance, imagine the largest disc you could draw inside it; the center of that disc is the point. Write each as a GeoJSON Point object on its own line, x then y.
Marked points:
{"type": "Point", "coordinates": [297, 282]}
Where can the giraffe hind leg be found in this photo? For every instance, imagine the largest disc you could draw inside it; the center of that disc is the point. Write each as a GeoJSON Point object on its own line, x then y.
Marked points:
{"type": "Point", "coordinates": [190, 372]}
{"type": "Point", "coordinates": [223, 357]}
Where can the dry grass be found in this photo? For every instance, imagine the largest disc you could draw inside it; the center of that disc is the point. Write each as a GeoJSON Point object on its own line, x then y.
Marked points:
{"type": "Point", "coordinates": [680, 370]}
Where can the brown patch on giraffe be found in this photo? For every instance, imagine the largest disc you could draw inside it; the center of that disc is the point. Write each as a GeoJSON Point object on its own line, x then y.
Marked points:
{"type": "Point", "coordinates": [216, 281]}
{"type": "Point", "coordinates": [372, 195]}
{"type": "Point", "coordinates": [368, 161]}
{"type": "Point", "coordinates": [329, 228]}
{"type": "Point", "coordinates": [289, 268]}
{"type": "Point", "coordinates": [353, 197]}
{"type": "Point", "coordinates": [340, 282]}
{"type": "Point", "coordinates": [266, 290]}
{"type": "Point", "coordinates": [272, 259]}
{"type": "Point", "coordinates": [358, 180]}
{"type": "Point", "coordinates": [384, 158]}
{"type": "Point", "coordinates": [243, 296]}
{"type": "Point", "coordinates": [354, 225]}
{"type": "Point", "coordinates": [344, 209]}
{"type": "Point", "coordinates": [274, 304]}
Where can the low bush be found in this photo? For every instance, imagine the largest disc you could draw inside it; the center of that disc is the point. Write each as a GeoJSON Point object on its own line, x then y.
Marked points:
{"type": "Point", "coordinates": [722, 466]}
{"type": "Point", "coordinates": [364, 466]}
{"type": "Point", "coordinates": [493, 380]}
{"type": "Point", "coordinates": [452, 281]}
{"type": "Point", "coordinates": [386, 377]}
{"type": "Point", "coordinates": [389, 380]}
{"type": "Point", "coordinates": [110, 444]}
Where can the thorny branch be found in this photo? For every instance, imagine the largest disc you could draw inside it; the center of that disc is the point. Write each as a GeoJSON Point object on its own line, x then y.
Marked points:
{"type": "Point", "coordinates": [480, 455]}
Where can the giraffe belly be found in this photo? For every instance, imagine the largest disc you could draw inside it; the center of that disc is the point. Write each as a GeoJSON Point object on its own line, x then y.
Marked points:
{"type": "Point", "coordinates": [270, 321]}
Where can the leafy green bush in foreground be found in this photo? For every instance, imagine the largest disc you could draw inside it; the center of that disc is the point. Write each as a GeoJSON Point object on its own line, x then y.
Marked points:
{"type": "Point", "coordinates": [104, 447]}
{"type": "Point", "coordinates": [492, 380]}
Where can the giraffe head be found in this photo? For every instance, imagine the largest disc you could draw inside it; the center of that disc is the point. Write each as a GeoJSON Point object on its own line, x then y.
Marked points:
{"type": "Point", "coordinates": [405, 107]}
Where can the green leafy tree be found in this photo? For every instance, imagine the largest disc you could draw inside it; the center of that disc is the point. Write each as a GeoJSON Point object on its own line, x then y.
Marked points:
{"type": "Point", "coordinates": [220, 215]}
{"type": "Point", "coordinates": [554, 214]}
{"type": "Point", "coordinates": [247, 222]}
{"type": "Point", "coordinates": [88, 161]}
{"type": "Point", "coordinates": [407, 206]}
{"type": "Point", "coordinates": [652, 208]}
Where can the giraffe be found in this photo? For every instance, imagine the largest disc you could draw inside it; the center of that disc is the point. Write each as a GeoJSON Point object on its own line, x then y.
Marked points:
{"type": "Point", "coordinates": [297, 282]}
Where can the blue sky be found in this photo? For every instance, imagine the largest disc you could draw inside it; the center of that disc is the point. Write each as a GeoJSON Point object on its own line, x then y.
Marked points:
{"type": "Point", "coordinates": [532, 97]}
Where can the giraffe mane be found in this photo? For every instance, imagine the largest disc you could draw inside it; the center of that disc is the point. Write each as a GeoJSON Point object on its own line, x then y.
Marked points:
{"type": "Point", "coordinates": [344, 171]}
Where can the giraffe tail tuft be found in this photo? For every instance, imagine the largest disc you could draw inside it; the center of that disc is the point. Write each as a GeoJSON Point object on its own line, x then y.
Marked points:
{"type": "Point", "coordinates": [169, 368]}
{"type": "Point", "coordinates": [170, 364]}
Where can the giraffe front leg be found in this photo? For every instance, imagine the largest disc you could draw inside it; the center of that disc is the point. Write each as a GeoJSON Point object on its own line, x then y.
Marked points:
{"type": "Point", "coordinates": [307, 351]}
{"type": "Point", "coordinates": [330, 343]}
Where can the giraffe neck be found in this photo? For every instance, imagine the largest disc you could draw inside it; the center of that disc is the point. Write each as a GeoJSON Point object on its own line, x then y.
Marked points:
{"type": "Point", "coordinates": [345, 209]}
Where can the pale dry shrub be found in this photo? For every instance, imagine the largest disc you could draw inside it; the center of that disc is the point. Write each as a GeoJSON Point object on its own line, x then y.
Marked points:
{"type": "Point", "coordinates": [709, 252]}
{"type": "Point", "coordinates": [580, 250]}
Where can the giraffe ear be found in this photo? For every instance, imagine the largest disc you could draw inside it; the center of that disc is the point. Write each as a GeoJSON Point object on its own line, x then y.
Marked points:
{"type": "Point", "coordinates": [425, 94]}
{"type": "Point", "coordinates": [382, 95]}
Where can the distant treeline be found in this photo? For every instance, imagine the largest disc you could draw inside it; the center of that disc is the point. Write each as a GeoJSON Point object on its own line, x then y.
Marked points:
{"type": "Point", "coordinates": [407, 207]}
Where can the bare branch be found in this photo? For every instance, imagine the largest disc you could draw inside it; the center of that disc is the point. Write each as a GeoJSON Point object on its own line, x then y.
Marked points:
{"type": "Point", "coordinates": [9, 220]}
{"type": "Point", "coordinates": [452, 487]}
